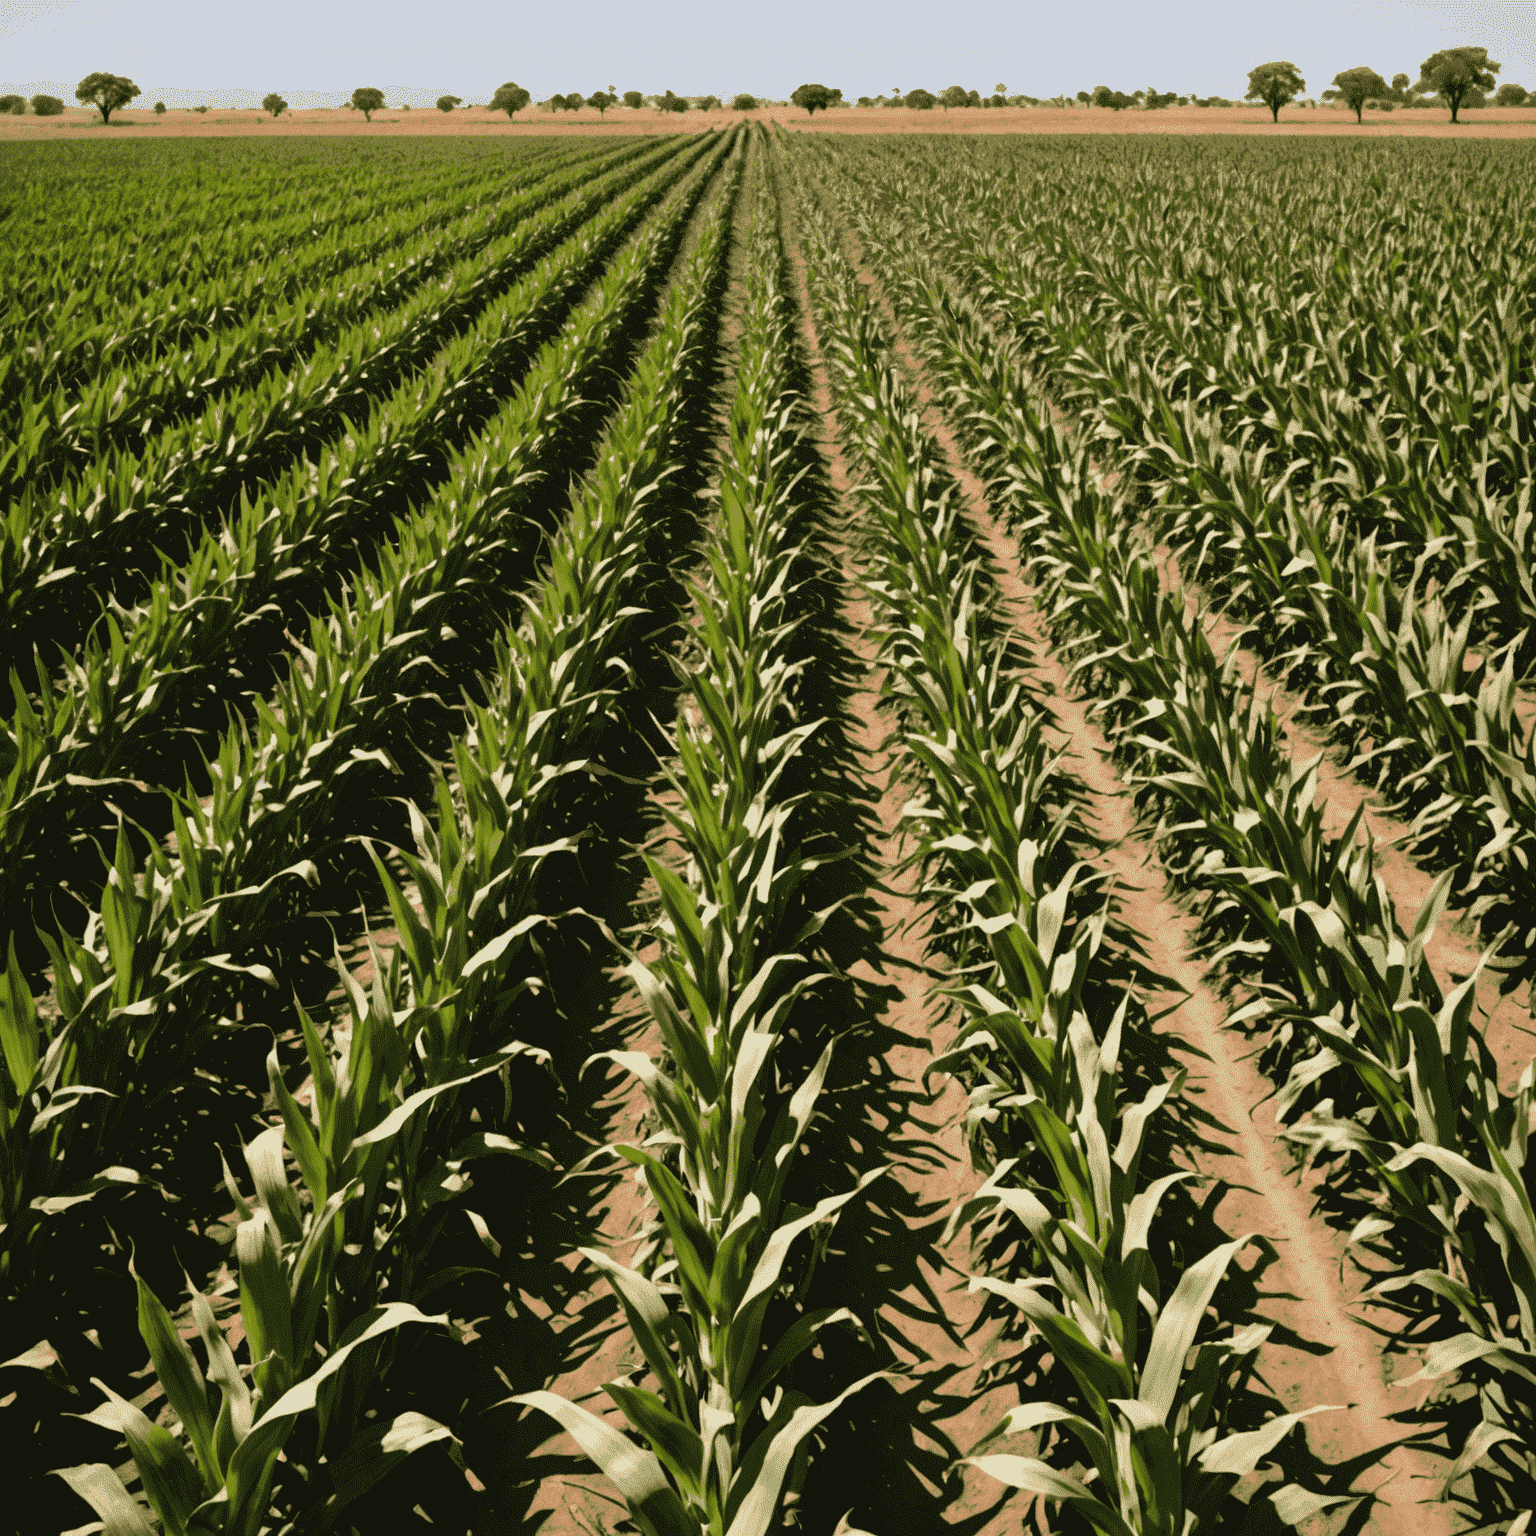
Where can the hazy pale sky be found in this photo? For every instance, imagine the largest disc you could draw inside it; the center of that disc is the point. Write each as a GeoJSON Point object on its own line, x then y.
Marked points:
{"type": "Point", "coordinates": [468, 47]}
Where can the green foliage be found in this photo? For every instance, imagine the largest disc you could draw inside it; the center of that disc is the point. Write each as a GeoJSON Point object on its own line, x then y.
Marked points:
{"type": "Point", "coordinates": [510, 98]}
{"type": "Point", "coordinates": [1510, 95]}
{"type": "Point", "coordinates": [672, 103]}
{"type": "Point", "coordinates": [159, 109]}
{"type": "Point", "coordinates": [1454, 74]}
{"type": "Point", "coordinates": [601, 101]}
{"type": "Point", "coordinates": [742, 102]}
{"type": "Point", "coordinates": [1116, 101]}
{"type": "Point", "coordinates": [815, 98]}
{"type": "Point", "coordinates": [106, 93]}
{"type": "Point", "coordinates": [953, 96]}
{"type": "Point", "coordinates": [47, 106]}
{"type": "Point", "coordinates": [14, 106]}
{"type": "Point", "coordinates": [448, 103]}
{"type": "Point", "coordinates": [274, 104]}
{"type": "Point", "coordinates": [920, 100]}
{"type": "Point", "coordinates": [634, 100]}
{"type": "Point", "coordinates": [1357, 86]}
{"type": "Point", "coordinates": [1275, 85]}
{"type": "Point", "coordinates": [367, 99]}
{"type": "Point", "coordinates": [709, 104]}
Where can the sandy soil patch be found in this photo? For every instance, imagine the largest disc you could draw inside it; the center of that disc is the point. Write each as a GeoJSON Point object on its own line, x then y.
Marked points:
{"type": "Point", "coordinates": [81, 124]}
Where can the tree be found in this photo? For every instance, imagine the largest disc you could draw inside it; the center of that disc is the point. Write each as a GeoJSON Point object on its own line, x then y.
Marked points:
{"type": "Point", "coordinates": [671, 103]}
{"type": "Point", "coordinates": [953, 96]}
{"type": "Point", "coordinates": [510, 98]}
{"type": "Point", "coordinates": [1454, 73]}
{"type": "Point", "coordinates": [1116, 101]}
{"type": "Point", "coordinates": [920, 100]}
{"type": "Point", "coordinates": [710, 104]}
{"type": "Point", "coordinates": [999, 89]}
{"type": "Point", "coordinates": [602, 100]}
{"type": "Point", "coordinates": [1400, 84]}
{"type": "Point", "coordinates": [633, 100]}
{"type": "Point", "coordinates": [1358, 86]}
{"type": "Point", "coordinates": [742, 102]}
{"type": "Point", "coordinates": [1510, 95]}
{"type": "Point", "coordinates": [1084, 97]}
{"type": "Point", "coordinates": [47, 106]}
{"type": "Point", "coordinates": [13, 105]}
{"type": "Point", "coordinates": [106, 93]}
{"type": "Point", "coordinates": [1275, 85]}
{"type": "Point", "coordinates": [368, 99]}
{"type": "Point", "coordinates": [274, 104]}
{"type": "Point", "coordinates": [814, 98]}
{"type": "Point", "coordinates": [159, 109]}
{"type": "Point", "coordinates": [447, 103]}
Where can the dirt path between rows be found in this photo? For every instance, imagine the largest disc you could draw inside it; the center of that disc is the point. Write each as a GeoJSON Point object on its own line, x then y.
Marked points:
{"type": "Point", "coordinates": [1322, 1352]}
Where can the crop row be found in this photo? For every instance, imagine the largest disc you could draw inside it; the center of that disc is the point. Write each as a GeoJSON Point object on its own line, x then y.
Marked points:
{"type": "Point", "coordinates": [63, 551]}
{"type": "Point", "coordinates": [131, 399]}
{"type": "Point", "coordinates": [721, 1323]}
{"type": "Point", "coordinates": [1386, 380]}
{"type": "Point", "coordinates": [116, 292]}
{"type": "Point", "coordinates": [1346, 617]}
{"type": "Point", "coordinates": [333, 1257]}
{"type": "Point", "coordinates": [153, 686]}
{"type": "Point", "coordinates": [1394, 1077]}
{"type": "Point", "coordinates": [1047, 1009]}
{"type": "Point", "coordinates": [195, 938]}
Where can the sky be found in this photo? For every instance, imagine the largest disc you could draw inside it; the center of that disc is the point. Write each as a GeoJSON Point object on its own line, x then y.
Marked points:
{"type": "Point", "coordinates": [424, 48]}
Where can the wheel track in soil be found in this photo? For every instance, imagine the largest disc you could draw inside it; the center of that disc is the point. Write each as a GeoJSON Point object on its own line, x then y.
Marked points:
{"type": "Point", "coordinates": [1304, 1292]}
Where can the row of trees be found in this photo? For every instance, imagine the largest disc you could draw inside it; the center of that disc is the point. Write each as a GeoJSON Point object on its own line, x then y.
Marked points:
{"type": "Point", "coordinates": [1458, 76]}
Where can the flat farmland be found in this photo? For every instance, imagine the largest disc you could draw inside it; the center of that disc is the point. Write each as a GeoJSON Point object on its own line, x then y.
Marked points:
{"type": "Point", "coordinates": [804, 825]}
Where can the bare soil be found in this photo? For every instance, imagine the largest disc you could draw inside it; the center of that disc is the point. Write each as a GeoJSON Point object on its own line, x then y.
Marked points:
{"type": "Point", "coordinates": [392, 122]}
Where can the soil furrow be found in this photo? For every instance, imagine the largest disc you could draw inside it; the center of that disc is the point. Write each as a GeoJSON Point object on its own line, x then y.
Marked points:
{"type": "Point", "coordinates": [1321, 1352]}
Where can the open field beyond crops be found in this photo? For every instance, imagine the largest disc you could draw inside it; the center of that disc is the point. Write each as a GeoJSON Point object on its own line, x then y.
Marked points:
{"type": "Point", "coordinates": [760, 830]}
{"type": "Point", "coordinates": [392, 122]}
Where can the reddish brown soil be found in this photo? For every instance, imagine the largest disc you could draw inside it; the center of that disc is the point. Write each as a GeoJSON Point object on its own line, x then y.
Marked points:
{"type": "Point", "coordinates": [325, 122]}
{"type": "Point", "coordinates": [1322, 1352]}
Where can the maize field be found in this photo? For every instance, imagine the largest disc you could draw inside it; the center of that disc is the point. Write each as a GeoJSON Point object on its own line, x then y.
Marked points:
{"type": "Point", "coordinates": [738, 833]}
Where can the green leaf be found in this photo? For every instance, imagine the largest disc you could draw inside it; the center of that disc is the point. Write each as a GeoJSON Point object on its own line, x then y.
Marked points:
{"type": "Point", "coordinates": [97, 1484]}
{"type": "Point", "coordinates": [753, 1506]}
{"type": "Point", "coordinates": [19, 1034]}
{"type": "Point", "coordinates": [375, 1451]}
{"type": "Point", "coordinates": [636, 1473]}
{"type": "Point", "coordinates": [1036, 1477]}
{"type": "Point", "coordinates": [1177, 1325]}
{"type": "Point", "coordinates": [177, 1372]}
{"type": "Point", "coordinates": [677, 1444]}
{"type": "Point", "coordinates": [1238, 1455]}
{"type": "Point", "coordinates": [169, 1478]}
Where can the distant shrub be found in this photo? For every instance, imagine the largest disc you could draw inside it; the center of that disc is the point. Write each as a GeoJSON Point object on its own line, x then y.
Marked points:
{"type": "Point", "coordinates": [920, 100]}
{"type": "Point", "coordinates": [741, 102]}
{"type": "Point", "coordinates": [633, 100]}
{"type": "Point", "coordinates": [447, 103]}
{"type": "Point", "coordinates": [1511, 95]}
{"type": "Point", "coordinates": [47, 106]}
{"type": "Point", "coordinates": [159, 109]}
{"type": "Point", "coordinates": [13, 106]}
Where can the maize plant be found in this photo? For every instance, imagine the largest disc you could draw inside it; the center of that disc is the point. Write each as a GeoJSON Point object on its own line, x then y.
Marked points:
{"type": "Point", "coordinates": [196, 468]}
{"type": "Point", "coordinates": [1393, 1073]}
{"type": "Point", "coordinates": [726, 1426]}
{"type": "Point", "coordinates": [180, 941]}
{"type": "Point", "coordinates": [1042, 1034]}
{"type": "Point", "coordinates": [152, 682]}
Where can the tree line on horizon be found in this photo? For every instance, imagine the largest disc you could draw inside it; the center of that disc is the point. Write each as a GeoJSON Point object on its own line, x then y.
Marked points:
{"type": "Point", "coordinates": [1457, 77]}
